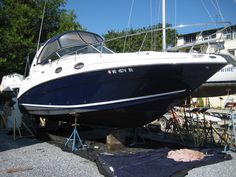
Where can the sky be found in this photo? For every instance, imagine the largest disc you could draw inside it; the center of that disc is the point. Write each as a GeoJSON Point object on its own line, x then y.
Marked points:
{"type": "Point", "coordinates": [101, 16]}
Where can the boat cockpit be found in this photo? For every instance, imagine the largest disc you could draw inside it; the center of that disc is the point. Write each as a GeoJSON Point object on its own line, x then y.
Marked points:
{"type": "Point", "coordinates": [71, 43]}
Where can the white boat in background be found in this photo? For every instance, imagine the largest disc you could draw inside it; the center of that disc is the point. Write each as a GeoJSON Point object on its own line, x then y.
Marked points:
{"type": "Point", "coordinates": [221, 83]}
{"type": "Point", "coordinates": [224, 81]}
{"type": "Point", "coordinates": [9, 89]}
{"type": "Point", "coordinates": [11, 83]}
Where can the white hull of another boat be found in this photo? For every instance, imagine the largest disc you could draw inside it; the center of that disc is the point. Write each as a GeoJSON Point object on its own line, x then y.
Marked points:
{"type": "Point", "coordinates": [221, 83]}
{"type": "Point", "coordinates": [11, 82]}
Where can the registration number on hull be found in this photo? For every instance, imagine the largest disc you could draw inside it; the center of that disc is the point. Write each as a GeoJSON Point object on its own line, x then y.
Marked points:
{"type": "Point", "coordinates": [120, 71]}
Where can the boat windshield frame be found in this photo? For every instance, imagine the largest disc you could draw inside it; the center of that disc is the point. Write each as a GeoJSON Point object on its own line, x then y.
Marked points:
{"type": "Point", "coordinates": [71, 43]}
{"type": "Point", "coordinates": [229, 58]}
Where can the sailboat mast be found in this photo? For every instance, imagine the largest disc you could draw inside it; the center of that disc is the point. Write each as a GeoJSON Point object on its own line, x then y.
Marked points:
{"type": "Point", "coordinates": [163, 25]}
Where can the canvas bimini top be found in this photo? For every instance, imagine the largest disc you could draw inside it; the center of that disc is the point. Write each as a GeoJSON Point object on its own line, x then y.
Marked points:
{"type": "Point", "coordinates": [70, 43]}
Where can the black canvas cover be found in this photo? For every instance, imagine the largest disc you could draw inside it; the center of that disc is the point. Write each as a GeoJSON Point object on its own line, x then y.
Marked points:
{"type": "Point", "coordinates": [153, 163]}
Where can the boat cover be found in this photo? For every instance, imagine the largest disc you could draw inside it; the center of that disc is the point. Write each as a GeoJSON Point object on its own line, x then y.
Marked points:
{"type": "Point", "coordinates": [66, 40]}
{"type": "Point", "coordinates": [153, 163]}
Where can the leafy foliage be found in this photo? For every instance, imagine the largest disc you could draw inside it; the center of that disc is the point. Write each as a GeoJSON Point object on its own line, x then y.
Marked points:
{"type": "Point", "coordinates": [143, 42]}
{"type": "Point", "coordinates": [200, 102]}
{"type": "Point", "coordinates": [19, 28]}
{"type": "Point", "coordinates": [20, 24]}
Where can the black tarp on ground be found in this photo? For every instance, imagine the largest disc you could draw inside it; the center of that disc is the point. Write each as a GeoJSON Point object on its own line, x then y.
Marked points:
{"type": "Point", "coordinates": [153, 163]}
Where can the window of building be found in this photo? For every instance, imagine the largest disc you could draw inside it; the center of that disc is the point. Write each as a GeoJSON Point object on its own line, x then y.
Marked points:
{"type": "Point", "coordinates": [232, 52]}
{"type": "Point", "coordinates": [228, 36]}
{"type": "Point", "coordinates": [190, 38]}
{"type": "Point", "coordinates": [213, 36]}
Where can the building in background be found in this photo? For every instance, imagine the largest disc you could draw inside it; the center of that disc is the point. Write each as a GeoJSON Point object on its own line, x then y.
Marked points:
{"type": "Point", "coordinates": [219, 40]}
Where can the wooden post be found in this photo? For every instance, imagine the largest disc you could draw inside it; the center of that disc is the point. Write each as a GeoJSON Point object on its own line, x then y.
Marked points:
{"type": "Point", "coordinates": [116, 139]}
{"type": "Point", "coordinates": [14, 129]}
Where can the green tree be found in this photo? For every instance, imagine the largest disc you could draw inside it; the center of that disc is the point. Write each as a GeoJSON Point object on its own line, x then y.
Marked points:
{"type": "Point", "coordinates": [200, 102]}
{"type": "Point", "coordinates": [144, 41]}
{"type": "Point", "coordinates": [19, 29]}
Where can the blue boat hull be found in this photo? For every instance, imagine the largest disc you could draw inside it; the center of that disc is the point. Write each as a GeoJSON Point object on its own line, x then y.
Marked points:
{"type": "Point", "coordinates": [119, 97]}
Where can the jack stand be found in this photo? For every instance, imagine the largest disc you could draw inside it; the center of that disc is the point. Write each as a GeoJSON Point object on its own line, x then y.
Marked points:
{"type": "Point", "coordinates": [138, 139]}
{"type": "Point", "coordinates": [231, 128]}
{"type": "Point", "coordinates": [23, 129]}
{"type": "Point", "coordinates": [76, 138]}
{"type": "Point", "coordinates": [19, 130]}
{"type": "Point", "coordinates": [231, 131]}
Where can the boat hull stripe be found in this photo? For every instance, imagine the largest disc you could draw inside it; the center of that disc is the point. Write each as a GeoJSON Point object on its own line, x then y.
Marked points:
{"type": "Point", "coordinates": [106, 102]}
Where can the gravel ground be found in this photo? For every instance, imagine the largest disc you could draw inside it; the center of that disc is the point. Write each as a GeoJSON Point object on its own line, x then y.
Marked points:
{"type": "Point", "coordinates": [32, 158]}
{"type": "Point", "coordinates": [222, 169]}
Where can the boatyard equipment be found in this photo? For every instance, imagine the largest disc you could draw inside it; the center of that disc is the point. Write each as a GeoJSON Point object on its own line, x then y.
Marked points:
{"type": "Point", "coordinates": [194, 126]}
{"type": "Point", "coordinates": [231, 143]}
{"type": "Point", "coordinates": [15, 118]}
{"type": "Point", "coordinates": [74, 137]}
{"type": "Point", "coordinates": [3, 116]}
{"type": "Point", "coordinates": [24, 127]}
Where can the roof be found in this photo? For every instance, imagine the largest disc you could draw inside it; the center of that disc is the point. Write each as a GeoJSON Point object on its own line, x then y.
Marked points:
{"type": "Point", "coordinates": [79, 32]}
{"type": "Point", "coordinates": [189, 45]}
{"type": "Point", "coordinates": [68, 39]}
{"type": "Point", "coordinates": [207, 31]}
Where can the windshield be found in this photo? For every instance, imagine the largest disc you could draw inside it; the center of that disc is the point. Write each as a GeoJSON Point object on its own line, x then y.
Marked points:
{"type": "Point", "coordinates": [70, 43]}
{"type": "Point", "coordinates": [83, 49]}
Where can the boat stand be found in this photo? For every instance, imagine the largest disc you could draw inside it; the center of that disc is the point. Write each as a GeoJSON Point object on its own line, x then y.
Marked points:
{"type": "Point", "coordinates": [75, 138]}
{"type": "Point", "coordinates": [231, 128]}
{"type": "Point", "coordinates": [27, 132]}
{"type": "Point", "coordinates": [23, 129]}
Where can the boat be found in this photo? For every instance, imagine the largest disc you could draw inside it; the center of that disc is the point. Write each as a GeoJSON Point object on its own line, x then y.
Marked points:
{"type": "Point", "coordinates": [9, 110]}
{"type": "Point", "coordinates": [74, 72]}
{"type": "Point", "coordinates": [221, 83]}
{"type": "Point", "coordinates": [10, 84]}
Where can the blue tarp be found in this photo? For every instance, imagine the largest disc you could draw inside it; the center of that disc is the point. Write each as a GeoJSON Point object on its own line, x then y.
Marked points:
{"type": "Point", "coordinates": [153, 163]}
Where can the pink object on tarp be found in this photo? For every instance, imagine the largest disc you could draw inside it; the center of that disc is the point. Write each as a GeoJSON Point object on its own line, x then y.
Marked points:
{"type": "Point", "coordinates": [185, 155]}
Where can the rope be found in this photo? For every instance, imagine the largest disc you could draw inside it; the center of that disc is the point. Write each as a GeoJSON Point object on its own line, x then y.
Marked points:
{"type": "Point", "coordinates": [217, 4]}
{"type": "Point", "coordinates": [143, 42]}
{"type": "Point", "coordinates": [151, 24]}
{"type": "Point", "coordinates": [226, 23]}
{"type": "Point", "coordinates": [217, 7]}
{"type": "Point", "coordinates": [159, 11]}
{"type": "Point", "coordinates": [128, 25]}
{"type": "Point", "coordinates": [204, 5]}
